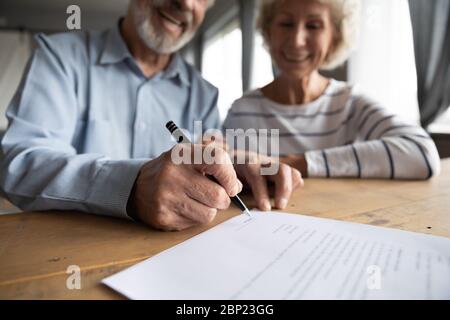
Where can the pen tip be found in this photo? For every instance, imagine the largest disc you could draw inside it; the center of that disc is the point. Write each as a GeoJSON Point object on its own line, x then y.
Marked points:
{"type": "Point", "coordinates": [248, 213]}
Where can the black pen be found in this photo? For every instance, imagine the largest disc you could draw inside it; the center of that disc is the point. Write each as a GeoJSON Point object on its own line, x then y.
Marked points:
{"type": "Point", "coordinates": [180, 137]}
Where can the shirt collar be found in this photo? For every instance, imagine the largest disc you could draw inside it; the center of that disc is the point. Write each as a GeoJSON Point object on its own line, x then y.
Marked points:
{"type": "Point", "coordinates": [177, 68]}
{"type": "Point", "coordinates": [115, 50]}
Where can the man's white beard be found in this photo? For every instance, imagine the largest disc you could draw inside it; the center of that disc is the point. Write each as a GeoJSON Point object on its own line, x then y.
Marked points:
{"type": "Point", "coordinates": [158, 40]}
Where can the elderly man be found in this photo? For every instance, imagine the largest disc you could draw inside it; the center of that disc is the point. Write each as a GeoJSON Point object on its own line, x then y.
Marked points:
{"type": "Point", "coordinates": [86, 127]}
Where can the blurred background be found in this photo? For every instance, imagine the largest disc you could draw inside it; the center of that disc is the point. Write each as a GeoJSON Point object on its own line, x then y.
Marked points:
{"type": "Point", "coordinates": [401, 60]}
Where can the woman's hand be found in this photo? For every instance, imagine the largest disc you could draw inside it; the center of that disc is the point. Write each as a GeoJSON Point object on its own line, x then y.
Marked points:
{"type": "Point", "coordinates": [257, 171]}
{"type": "Point", "coordinates": [298, 162]}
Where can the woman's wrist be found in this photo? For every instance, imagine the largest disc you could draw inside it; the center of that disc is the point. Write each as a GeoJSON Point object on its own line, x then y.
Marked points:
{"type": "Point", "coordinates": [298, 162]}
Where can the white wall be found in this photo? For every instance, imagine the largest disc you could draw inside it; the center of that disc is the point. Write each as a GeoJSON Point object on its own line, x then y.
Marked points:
{"type": "Point", "coordinates": [14, 54]}
{"type": "Point", "coordinates": [383, 64]}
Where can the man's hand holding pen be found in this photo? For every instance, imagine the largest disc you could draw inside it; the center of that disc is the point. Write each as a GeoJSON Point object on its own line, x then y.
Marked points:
{"type": "Point", "coordinates": [171, 196]}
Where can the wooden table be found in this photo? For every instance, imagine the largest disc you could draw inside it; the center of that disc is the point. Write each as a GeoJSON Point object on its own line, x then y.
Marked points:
{"type": "Point", "coordinates": [37, 248]}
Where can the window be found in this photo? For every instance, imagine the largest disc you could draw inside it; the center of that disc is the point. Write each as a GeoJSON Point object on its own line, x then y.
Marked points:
{"type": "Point", "coordinates": [222, 65]}
{"type": "Point", "coordinates": [262, 64]}
{"type": "Point", "coordinates": [383, 64]}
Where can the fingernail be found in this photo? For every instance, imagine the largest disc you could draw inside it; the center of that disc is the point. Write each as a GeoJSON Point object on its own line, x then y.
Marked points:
{"type": "Point", "coordinates": [283, 203]}
{"type": "Point", "coordinates": [241, 186]}
{"type": "Point", "coordinates": [235, 190]}
{"type": "Point", "coordinates": [266, 205]}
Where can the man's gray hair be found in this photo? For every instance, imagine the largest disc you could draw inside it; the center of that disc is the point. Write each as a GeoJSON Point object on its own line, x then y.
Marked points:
{"type": "Point", "coordinates": [345, 15]}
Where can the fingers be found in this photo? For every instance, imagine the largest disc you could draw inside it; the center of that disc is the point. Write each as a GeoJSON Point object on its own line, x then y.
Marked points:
{"type": "Point", "coordinates": [205, 191]}
{"type": "Point", "coordinates": [286, 180]}
{"type": "Point", "coordinates": [195, 211]}
{"type": "Point", "coordinates": [215, 137]}
{"type": "Point", "coordinates": [174, 222]}
{"type": "Point", "coordinates": [221, 168]}
{"type": "Point", "coordinates": [171, 196]}
{"type": "Point", "coordinates": [182, 212]}
{"type": "Point", "coordinates": [297, 179]}
{"type": "Point", "coordinates": [168, 220]}
{"type": "Point", "coordinates": [258, 184]}
{"type": "Point", "coordinates": [283, 186]}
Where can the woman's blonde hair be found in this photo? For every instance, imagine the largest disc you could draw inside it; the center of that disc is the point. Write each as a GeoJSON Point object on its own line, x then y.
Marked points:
{"type": "Point", "coordinates": [345, 16]}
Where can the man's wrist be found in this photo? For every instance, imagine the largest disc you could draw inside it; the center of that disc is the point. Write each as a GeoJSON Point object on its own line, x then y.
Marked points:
{"type": "Point", "coordinates": [132, 211]}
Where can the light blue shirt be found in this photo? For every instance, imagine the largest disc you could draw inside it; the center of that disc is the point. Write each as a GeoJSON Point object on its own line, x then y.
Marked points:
{"type": "Point", "coordinates": [85, 119]}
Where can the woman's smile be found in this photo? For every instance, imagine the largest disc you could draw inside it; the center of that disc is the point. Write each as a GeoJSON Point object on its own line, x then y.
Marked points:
{"type": "Point", "coordinates": [296, 57]}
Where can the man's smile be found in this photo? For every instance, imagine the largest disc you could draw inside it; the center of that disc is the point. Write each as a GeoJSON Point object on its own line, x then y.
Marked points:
{"type": "Point", "coordinates": [172, 23]}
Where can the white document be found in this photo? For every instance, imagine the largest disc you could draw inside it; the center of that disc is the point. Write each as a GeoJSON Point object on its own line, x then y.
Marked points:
{"type": "Point", "coordinates": [289, 256]}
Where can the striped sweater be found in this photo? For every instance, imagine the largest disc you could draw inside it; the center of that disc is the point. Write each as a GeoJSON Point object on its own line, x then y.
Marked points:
{"type": "Point", "coordinates": [342, 134]}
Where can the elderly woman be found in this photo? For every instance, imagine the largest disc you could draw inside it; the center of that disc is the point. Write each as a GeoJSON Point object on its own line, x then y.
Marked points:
{"type": "Point", "coordinates": [326, 128]}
